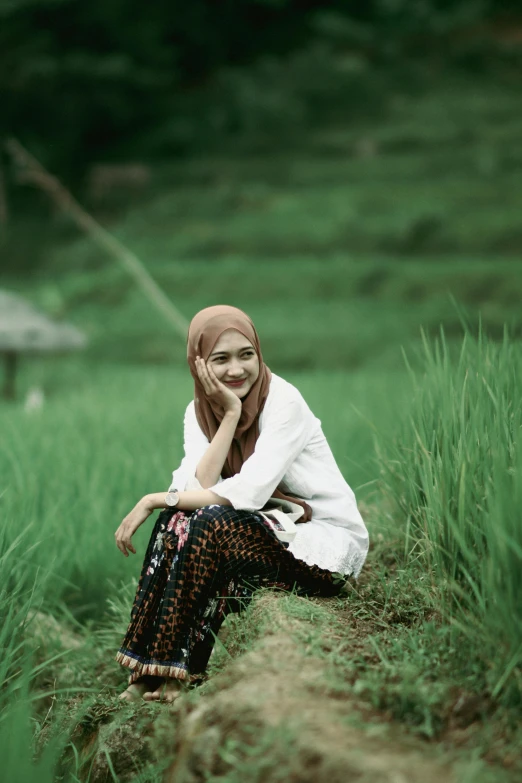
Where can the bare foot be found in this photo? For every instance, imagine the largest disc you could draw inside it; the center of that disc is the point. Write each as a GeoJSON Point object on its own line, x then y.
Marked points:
{"type": "Point", "coordinates": [134, 692]}
{"type": "Point", "coordinates": [167, 692]}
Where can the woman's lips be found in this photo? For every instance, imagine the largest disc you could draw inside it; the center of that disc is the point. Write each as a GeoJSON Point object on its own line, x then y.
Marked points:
{"type": "Point", "coordinates": [236, 383]}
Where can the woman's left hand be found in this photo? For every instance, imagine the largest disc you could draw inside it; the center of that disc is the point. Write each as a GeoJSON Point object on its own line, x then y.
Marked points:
{"type": "Point", "coordinates": [216, 390]}
{"type": "Point", "coordinates": [129, 525]}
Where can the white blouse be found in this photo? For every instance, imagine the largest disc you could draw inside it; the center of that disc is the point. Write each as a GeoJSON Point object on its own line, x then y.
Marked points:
{"type": "Point", "coordinates": [293, 453]}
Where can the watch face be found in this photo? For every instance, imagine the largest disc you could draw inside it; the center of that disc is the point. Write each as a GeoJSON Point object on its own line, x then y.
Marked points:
{"type": "Point", "coordinates": [172, 497]}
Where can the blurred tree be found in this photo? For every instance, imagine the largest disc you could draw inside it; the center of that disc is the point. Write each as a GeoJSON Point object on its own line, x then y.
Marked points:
{"type": "Point", "coordinates": [79, 80]}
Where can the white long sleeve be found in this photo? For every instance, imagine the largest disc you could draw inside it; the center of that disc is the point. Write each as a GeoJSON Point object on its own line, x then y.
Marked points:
{"type": "Point", "coordinates": [291, 452]}
{"type": "Point", "coordinates": [285, 434]}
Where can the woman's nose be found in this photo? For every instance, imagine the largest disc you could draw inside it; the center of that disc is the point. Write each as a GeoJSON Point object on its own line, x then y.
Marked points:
{"type": "Point", "coordinates": [234, 370]}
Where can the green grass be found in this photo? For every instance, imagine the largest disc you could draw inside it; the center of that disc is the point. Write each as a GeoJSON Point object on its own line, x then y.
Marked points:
{"type": "Point", "coordinates": [455, 474]}
{"type": "Point", "coordinates": [336, 314]}
{"type": "Point", "coordinates": [73, 470]}
{"type": "Point", "coordinates": [440, 598]}
{"type": "Point", "coordinates": [340, 258]}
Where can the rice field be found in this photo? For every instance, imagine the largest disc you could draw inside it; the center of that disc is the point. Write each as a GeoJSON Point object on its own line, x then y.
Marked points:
{"type": "Point", "coordinates": [436, 456]}
{"type": "Point", "coordinates": [74, 469]}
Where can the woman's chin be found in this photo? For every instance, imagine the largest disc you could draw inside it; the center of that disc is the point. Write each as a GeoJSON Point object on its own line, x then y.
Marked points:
{"type": "Point", "coordinates": [242, 393]}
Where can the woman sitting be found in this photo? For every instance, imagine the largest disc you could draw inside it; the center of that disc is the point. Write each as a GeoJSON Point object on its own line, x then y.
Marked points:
{"type": "Point", "coordinates": [249, 437]}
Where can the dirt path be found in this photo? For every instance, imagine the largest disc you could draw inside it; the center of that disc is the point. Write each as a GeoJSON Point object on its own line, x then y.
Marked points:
{"type": "Point", "coordinates": [272, 715]}
{"type": "Point", "coordinates": [279, 711]}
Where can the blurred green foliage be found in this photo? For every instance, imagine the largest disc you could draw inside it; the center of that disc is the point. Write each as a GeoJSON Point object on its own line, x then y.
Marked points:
{"type": "Point", "coordinates": [362, 238]}
{"type": "Point", "coordinates": [81, 82]}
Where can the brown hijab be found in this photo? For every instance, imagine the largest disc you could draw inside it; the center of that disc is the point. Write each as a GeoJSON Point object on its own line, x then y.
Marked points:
{"type": "Point", "coordinates": [205, 330]}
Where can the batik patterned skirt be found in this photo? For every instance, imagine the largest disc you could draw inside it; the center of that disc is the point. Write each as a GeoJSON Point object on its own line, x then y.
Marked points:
{"type": "Point", "coordinates": [198, 568]}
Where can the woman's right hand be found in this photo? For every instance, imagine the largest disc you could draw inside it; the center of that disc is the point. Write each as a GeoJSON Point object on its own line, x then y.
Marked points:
{"type": "Point", "coordinates": [141, 511]}
{"type": "Point", "coordinates": [215, 390]}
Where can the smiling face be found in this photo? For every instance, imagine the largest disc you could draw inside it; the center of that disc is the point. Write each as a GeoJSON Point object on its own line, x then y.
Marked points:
{"type": "Point", "coordinates": [235, 362]}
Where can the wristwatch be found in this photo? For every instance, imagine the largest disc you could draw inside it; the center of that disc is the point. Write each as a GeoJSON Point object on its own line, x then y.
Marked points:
{"type": "Point", "coordinates": [172, 498]}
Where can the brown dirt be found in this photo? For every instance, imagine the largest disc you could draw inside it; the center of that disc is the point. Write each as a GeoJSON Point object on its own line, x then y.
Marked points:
{"type": "Point", "coordinates": [271, 716]}
{"type": "Point", "coordinates": [279, 713]}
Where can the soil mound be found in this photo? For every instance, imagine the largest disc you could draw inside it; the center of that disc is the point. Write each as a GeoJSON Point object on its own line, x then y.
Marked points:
{"type": "Point", "coordinates": [273, 715]}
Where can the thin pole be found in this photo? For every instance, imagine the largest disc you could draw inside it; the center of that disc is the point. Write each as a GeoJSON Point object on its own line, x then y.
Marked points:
{"type": "Point", "coordinates": [4, 209]}
{"type": "Point", "coordinates": [35, 173]}
{"type": "Point", "coordinates": [10, 365]}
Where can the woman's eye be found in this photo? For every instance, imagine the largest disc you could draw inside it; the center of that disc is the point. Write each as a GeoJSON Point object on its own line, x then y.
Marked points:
{"type": "Point", "coordinates": [223, 359]}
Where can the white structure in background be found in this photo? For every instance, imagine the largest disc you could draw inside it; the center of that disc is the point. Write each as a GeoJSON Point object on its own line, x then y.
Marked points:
{"type": "Point", "coordinates": [34, 399]}
{"type": "Point", "coordinates": [25, 331]}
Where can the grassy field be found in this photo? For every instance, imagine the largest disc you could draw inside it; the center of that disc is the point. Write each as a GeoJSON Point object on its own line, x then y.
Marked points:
{"type": "Point", "coordinates": [341, 252]}
{"type": "Point", "coordinates": [77, 468]}
{"type": "Point", "coordinates": [431, 636]}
